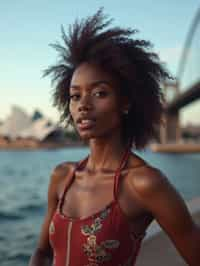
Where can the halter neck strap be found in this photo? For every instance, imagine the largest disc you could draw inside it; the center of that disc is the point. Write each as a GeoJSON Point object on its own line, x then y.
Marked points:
{"type": "Point", "coordinates": [122, 165]}
{"type": "Point", "coordinates": [83, 162]}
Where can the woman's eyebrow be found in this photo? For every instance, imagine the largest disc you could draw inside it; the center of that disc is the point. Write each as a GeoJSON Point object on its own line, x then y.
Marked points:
{"type": "Point", "coordinates": [99, 82]}
{"type": "Point", "coordinates": [92, 84]}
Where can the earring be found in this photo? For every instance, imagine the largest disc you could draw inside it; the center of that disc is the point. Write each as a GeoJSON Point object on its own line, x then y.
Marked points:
{"type": "Point", "coordinates": [125, 112]}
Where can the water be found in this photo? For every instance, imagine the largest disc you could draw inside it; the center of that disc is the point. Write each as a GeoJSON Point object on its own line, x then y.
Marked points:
{"type": "Point", "coordinates": [24, 177]}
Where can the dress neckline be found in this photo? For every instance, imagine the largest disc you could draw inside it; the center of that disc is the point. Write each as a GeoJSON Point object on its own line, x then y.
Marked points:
{"type": "Point", "coordinates": [108, 206]}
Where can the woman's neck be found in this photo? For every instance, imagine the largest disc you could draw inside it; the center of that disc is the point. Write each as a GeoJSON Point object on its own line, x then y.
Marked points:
{"type": "Point", "coordinates": [105, 155]}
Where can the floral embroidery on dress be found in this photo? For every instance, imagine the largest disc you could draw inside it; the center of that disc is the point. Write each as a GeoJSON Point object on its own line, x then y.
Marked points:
{"type": "Point", "coordinates": [97, 253]}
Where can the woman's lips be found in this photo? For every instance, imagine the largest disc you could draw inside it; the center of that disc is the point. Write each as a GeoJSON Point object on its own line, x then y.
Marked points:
{"type": "Point", "coordinates": [85, 124]}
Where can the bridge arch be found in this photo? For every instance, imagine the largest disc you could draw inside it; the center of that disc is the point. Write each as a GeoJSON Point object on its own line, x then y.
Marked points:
{"type": "Point", "coordinates": [187, 94]}
{"type": "Point", "coordinates": [187, 47]}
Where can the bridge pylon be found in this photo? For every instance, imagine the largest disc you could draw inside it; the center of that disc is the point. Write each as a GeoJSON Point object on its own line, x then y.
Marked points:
{"type": "Point", "coordinates": [170, 131]}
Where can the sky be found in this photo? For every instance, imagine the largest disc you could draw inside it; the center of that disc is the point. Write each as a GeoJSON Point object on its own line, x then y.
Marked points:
{"type": "Point", "coordinates": [28, 27]}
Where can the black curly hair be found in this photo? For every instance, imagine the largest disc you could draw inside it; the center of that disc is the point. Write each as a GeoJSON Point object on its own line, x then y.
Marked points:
{"type": "Point", "coordinates": [136, 67]}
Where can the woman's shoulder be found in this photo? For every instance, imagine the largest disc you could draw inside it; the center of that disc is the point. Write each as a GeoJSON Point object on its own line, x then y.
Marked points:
{"type": "Point", "coordinates": [146, 179]}
{"type": "Point", "coordinates": [147, 185]}
{"type": "Point", "coordinates": [59, 177]}
{"type": "Point", "coordinates": [61, 171]}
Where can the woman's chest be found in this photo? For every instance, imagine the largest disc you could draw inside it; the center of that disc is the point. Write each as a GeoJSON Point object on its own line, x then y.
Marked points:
{"type": "Point", "coordinates": [86, 196]}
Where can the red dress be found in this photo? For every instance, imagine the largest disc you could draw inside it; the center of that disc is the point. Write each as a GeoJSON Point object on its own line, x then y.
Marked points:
{"type": "Point", "coordinates": [104, 238]}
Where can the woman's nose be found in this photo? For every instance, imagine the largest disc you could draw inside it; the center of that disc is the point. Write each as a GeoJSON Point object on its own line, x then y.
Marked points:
{"type": "Point", "coordinates": [85, 103]}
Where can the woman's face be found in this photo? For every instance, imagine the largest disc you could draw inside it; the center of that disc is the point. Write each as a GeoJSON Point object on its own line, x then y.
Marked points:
{"type": "Point", "coordinates": [95, 104]}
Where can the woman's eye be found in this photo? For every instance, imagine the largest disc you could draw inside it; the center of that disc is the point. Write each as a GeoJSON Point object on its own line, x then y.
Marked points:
{"type": "Point", "coordinates": [74, 97]}
{"type": "Point", "coordinates": [100, 93]}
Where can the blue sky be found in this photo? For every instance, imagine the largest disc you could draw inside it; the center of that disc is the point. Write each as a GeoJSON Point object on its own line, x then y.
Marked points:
{"type": "Point", "coordinates": [27, 27]}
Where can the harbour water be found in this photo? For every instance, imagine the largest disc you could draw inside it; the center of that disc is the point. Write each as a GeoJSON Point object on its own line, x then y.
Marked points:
{"type": "Point", "coordinates": [24, 177]}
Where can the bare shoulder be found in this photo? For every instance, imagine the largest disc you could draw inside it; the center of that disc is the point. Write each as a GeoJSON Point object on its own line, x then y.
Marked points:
{"type": "Point", "coordinates": [153, 190]}
{"type": "Point", "coordinates": [63, 169]}
{"type": "Point", "coordinates": [61, 172]}
{"type": "Point", "coordinates": [146, 180]}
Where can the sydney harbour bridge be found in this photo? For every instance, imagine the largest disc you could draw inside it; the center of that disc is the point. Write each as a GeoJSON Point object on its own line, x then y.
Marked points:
{"type": "Point", "coordinates": [186, 88]}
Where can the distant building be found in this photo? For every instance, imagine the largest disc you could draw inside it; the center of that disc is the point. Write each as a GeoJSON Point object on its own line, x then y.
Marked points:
{"type": "Point", "coordinates": [20, 125]}
{"type": "Point", "coordinates": [40, 129]}
{"type": "Point", "coordinates": [16, 122]}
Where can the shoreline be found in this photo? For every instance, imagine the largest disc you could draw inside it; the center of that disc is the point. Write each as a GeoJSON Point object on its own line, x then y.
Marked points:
{"type": "Point", "coordinates": [31, 144]}
{"type": "Point", "coordinates": [34, 145]}
{"type": "Point", "coordinates": [183, 147]}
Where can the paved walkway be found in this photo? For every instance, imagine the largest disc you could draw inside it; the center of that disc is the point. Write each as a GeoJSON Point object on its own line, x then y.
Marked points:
{"type": "Point", "coordinates": [158, 250]}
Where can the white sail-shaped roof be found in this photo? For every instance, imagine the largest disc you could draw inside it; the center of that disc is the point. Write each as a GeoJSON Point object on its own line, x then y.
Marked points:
{"type": "Point", "coordinates": [16, 121]}
{"type": "Point", "coordinates": [39, 129]}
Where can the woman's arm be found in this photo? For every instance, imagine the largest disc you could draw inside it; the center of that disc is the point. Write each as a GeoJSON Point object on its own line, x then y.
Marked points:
{"type": "Point", "coordinates": [160, 198]}
{"type": "Point", "coordinates": [39, 258]}
{"type": "Point", "coordinates": [43, 254]}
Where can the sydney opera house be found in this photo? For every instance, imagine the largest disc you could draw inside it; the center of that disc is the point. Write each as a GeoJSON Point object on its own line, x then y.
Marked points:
{"type": "Point", "coordinates": [23, 130]}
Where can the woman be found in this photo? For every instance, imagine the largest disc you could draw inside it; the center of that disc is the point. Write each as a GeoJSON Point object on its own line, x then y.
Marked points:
{"type": "Point", "coordinates": [108, 85]}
